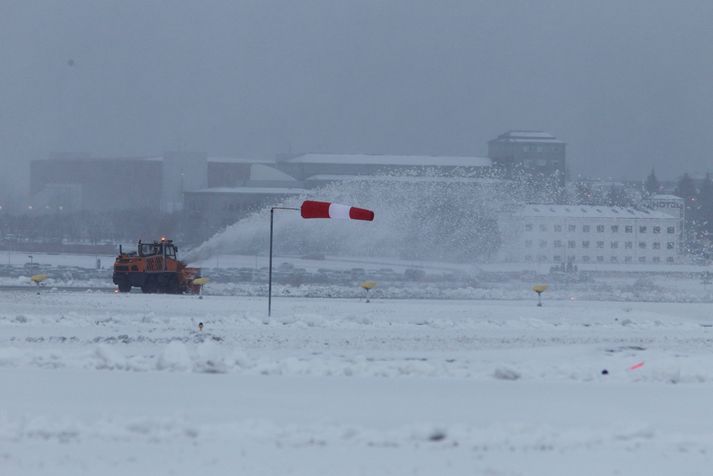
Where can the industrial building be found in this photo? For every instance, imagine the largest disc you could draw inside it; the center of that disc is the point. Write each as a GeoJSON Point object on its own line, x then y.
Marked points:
{"type": "Point", "coordinates": [124, 183]}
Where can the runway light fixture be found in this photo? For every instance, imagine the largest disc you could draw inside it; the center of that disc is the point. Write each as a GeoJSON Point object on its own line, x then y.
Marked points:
{"type": "Point", "coordinates": [366, 286]}
{"type": "Point", "coordinates": [539, 289]}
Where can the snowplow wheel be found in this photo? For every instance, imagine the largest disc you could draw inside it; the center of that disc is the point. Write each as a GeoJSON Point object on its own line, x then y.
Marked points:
{"type": "Point", "coordinates": [172, 286]}
{"type": "Point", "coordinates": [122, 282]}
{"type": "Point", "coordinates": [149, 286]}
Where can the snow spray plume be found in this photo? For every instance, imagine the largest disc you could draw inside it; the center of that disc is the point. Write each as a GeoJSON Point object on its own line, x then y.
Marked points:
{"type": "Point", "coordinates": [427, 218]}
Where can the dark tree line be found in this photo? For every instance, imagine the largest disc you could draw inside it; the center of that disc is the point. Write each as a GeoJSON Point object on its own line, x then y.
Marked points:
{"type": "Point", "coordinates": [698, 203]}
{"type": "Point", "coordinates": [613, 196]}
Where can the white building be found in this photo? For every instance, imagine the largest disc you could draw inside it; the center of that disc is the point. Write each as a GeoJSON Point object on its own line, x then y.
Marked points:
{"type": "Point", "coordinates": [670, 205]}
{"type": "Point", "coordinates": [596, 234]}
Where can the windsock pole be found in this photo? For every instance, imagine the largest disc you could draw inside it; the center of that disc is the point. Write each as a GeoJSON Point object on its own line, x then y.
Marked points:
{"type": "Point", "coordinates": [269, 281]}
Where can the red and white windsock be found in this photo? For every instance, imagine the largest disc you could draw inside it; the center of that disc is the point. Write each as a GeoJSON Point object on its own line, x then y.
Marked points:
{"type": "Point", "coordinates": [312, 209]}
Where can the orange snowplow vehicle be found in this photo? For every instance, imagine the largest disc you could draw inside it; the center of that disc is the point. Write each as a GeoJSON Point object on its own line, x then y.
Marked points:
{"type": "Point", "coordinates": [154, 268]}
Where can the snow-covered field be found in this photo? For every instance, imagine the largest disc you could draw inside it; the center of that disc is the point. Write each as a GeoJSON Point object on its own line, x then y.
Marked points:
{"type": "Point", "coordinates": [100, 383]}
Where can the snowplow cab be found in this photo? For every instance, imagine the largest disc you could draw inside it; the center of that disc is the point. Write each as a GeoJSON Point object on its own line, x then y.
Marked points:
{"type": "Point", "coordinates": [155, 268]}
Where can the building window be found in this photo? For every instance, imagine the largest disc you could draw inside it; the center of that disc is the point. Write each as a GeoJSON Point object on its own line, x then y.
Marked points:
{"type": "Point", "coordinates": [558, 243]}
{"type": "Point", "coordinates": [571, 244]}
{"type": "Point", "coordinates": [585, 244]}
{"type": "Point", "coordinates": [656, 245]}
{"type": "Point", "coordinates": [542, 258]}
{"type": "Point", "coordinates": [528, 226]}
{"type": "Point", "coordinates": [585, 259]}
{"type": "Point", "coordinates": [543, 227]}
{"type": "Point", "coordinates": [628, 244]}
{"type": "Point", "coordinates": [669, 245]}
{"type": "Point", "coordinates": [572, 227]}
{"type": "Point", "coordinates": [613, 259]}
{"type": "Point", "coordinates": [642, 245]}
{"type": "Point", "coordinates": [627, 259]}
{"type": "Point", "coordinates": [615, 244]}
{"type": "Point", "coordinates": [528, 258]}
{"type": "Point", "coordinates": [642, 229]}
{"type": "Point", "coordinates": [657, 229]}
{"type": "Point", "coordinates": [669, 259]}
{"type": "Point", "coordinates": [543, 243]}
{"type": "Point", "coordinates": [628, 229]}
{"type": "Point", "coordinates": [585, 228]}
{"type": "Point", "coordinates": [656, 259]}
{"type": "Point", "coordinates": [558, 228]}
{"type": "Point", "coordinates": [642, 259]}
{"type": "Point", "coordinates": [600, 244]}
{"type": "Point", "coordinates": [600, 259]}
{"type": "Point", "coordinates": [671, 230]}
{"type": "Point", "coordinates": [528, 243]}
{"type": "Point", "coordinates": [615, 228]}
{"type": "Point", "coordinates": [600, 228]}
{"type": "Point", "coordinates": [557, 258]}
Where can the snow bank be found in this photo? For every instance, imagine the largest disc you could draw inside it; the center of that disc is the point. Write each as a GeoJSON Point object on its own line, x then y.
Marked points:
{"type": "Point", "coordinates": [174, 357]}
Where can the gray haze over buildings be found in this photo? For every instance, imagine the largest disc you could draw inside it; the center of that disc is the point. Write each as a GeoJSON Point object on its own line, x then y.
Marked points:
{"type": "Point", "coordinates": [626, 84]}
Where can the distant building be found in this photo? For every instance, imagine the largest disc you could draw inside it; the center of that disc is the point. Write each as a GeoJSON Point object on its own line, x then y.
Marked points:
{"type": "Point", "coordinates": [210, 209]}
{"type": "Point", "coordinates": [303, 166]}
{"type": "Point", "coordinates": [595, 234]}
{"type": "Point", "coordinates": [96, 184]}
{"type": "Point", "coordinates": [237, 187]}
{"type": "Point", "coordinates": [180, 171]}
{"type": "Point", "coordinates": [58, 197]}
{"type": "Point", "coordinates": [533, 152]}
{"type": "Point", "coordinates": [231, 171]}
{"type": "Point", "coordinates": [321, 180]}
{"type": "Point", "coordinates": [124, 183]}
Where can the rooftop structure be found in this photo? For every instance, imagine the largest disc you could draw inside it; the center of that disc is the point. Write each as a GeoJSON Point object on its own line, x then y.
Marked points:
{"type": "Point", "coordinates": [320, 179]}
{"type": "Point", "coordinates": [528, 136]}
{"type": "Point", "coordinates": [534, 153]}
{"type": "Point", "coordinates": [589, 211]}
{"type": "Point", "coordinates": [309, 165]}
{"type": "Point", "coordinates": [398, 160]}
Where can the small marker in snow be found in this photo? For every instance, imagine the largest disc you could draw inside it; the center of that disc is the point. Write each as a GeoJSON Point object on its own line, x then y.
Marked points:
{"type": "Point", "coordinates": [605, 372]}
{"type": "Point", "coordinates": [200, 327]}
{"type": "Point", "coordinates": [637, 366]}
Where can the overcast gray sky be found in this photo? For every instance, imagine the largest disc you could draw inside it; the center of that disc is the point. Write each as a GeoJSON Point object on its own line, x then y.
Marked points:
{"type": "Point", "coordinates": [627, 84]}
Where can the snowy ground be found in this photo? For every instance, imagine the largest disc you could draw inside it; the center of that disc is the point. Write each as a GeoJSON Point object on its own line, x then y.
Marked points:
{"type": "Point", "coordinates": [100, 383]}
{"type": "Point", "coordinates": [340, 277]}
